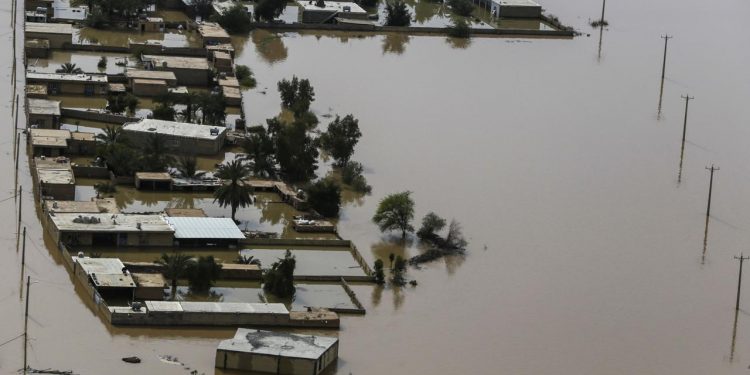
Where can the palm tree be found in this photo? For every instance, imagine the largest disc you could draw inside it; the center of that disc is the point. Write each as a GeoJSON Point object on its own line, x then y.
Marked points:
{"type": "Point", "coordinates": [234, 192]}
{"type": "Point", "coordinates": [175, 267]}
{"type": "Point", "coordinates": [259, 151]}
{"type": "Point", "coordinates": [187, 167]}
{"type": "Point", "coordinates": [155, 157]}
{"type": "Point", "coordinates": [111, 136]}
{"type": "Point", "coordinates": [69, 69]}
{"type": "Point", "coordinates": [191, 102]}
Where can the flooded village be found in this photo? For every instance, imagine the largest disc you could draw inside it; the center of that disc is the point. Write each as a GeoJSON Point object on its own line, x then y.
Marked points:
{"type": "Point", "coordinates": [230, 187]}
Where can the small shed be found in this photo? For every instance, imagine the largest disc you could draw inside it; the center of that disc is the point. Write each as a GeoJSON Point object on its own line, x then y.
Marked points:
{"type": "Point", "coordinates": [515, 9]}
{"type": "Point", "coordinates": [37, 48]}
{"type": "Point", "coordinates": [213, 34]}
{"type": "Point", "coordinates": [277, 352]}
{"type": "Point", "coordinates": [223, 62]}
{"type": "Point", "coordinates": [205, 231]}
{"type": "Point", "coordinates": [36, 91]}
{"type": "Point", "coordinates": [82, 143]}
{"type": "Point", "coordinates": [149, 87]}
{"type": "Point", "coordinates": [153, 181]}
{"type": "Point", "coordinates": [151, 24]}
{"type": "Point", "coordinates": [43, 113]}
{"type": "Point", "coordinates": [229, 82]}
{"type": "Point", "coordinates": [108, 275]}
{"type": "Point", "coordinates": [233, 95]}
{"type": "Point", "coordinates": [54, 177]}
{"type": "Point", "coordinates": [48, 142]}
{"type": "Point", "coordinates": [117, 88]}
{"type": "Point", "coordinates": [149, 286]}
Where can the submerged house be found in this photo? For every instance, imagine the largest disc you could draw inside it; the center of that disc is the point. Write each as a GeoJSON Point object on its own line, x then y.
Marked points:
{"type": "Point", "coordinates": [515, 9]}
{"type": "Point", "coordinates": [205, 231]}
{"type": "Point", "coordinates": [212, 34]}
{"type": "Point", "coordinates": [54, 177]}
{"type": "Point", "coordinates": [178, 137]}
{"type": "Point", "coordinates": [190, 71]}
{"type": "Point", "coordinates": [48, 142]}
{"type": "Point", "coordinates": [151, 24]}
{"type": "Point", "coordinates": [58, 34]}
{"type": "Point", "coordinates": [43, 113]}
{"type": "Point", "coordinates": [76, 84]}
{"type": "Point", "coordinates": [312, 13]}
{"type": "Point", "coordinates": [107, 229]}
{"type": "Point", "coordinates": [277, 352]}
{"type": "Point", "coordinates": [107, 275]}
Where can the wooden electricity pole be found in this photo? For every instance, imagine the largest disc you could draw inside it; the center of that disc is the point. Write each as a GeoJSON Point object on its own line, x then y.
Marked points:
{"type": "Point", "coordinates": [604, 3]}
{"type": "Point", "coordinates": [20, 206]}
{"type": "Point", "coordinates": [26, 327]}
{"type": "Point", "coordinates": [664, 60]}
{"type": "Point", "coordinates": [742, 259]}
{"type": "Point", "coordinates": [23, 255]}
{"type": "Point", "coordinates": [712, 169]}
{"type": "Point", "coordinates": [684, 133]}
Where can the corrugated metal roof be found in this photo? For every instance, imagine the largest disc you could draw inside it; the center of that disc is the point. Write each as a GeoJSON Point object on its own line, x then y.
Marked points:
{"type": "Point", "coordinates": [204, 228]}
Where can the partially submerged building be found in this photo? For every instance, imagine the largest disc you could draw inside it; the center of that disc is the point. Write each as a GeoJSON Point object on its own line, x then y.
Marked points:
{"type": "Point", "coordinates": [277, 352]}
{"type": "Point", "coordinates": [43, 113]}
{"type": "Point", "coordinates": [49, 142]}
{"type": "Point", "coordinates": [179, 137]}
{"type": "Point", "coordinates": [233, 95]}
{"type": "Point", "coordinates": [107, 275]}
{"type": "Point", "coordinates": [149, 286]}
{"type": "Point", "coordinates": [36, 48]}
{"type": "Point", "coordinates": [223, 62]}
{"type": "Point", "coordinates": [153, 180]}
{"type": "Point", "coordinates": [190, 71]}
{"type": "Point", "coordinates": [93, 206]}
{"type": "Point", "coordinates": [515, 9]}
{"type": "Point", "coordinates": [312, 13]}
{"type": "Point", "coordinates": [77, 84]}
{"type": "Point", "coordinates": [59, 35]}
{"type": "Point", "coordinates": [151, 25]}
{"type": "Point", "coordinates": [82, 143]}
{"type": "Point", "coordinates": [205, 231]}
{"type": "Point", "coordinates": [37, 5]}
{"type": "Point", "coordinates": [55, 179]}
{"type": "Point", "coordinates": [212, 34]}
{"type": "Point", "coordinates": [168, 77]}
{"type": "Point", "coordinates": [106, 229]}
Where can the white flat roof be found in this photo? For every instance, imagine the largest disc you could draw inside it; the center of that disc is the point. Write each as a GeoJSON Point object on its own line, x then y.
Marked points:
{"type": "Point", "coordinates": [54, 171]}
{"type": "Point", "coordinates": [212, 30]}
{"type": "Point", "coordinates": [172, 128]}
{"type": "Point", "coordinates": [108, 222]}
{"type": "Point", "coordinates": [49, 28]}
{"type": "Point", "coordinates": [517, 3]}
{"type": "Point", "coordinates": [106, 272]}
{"type": "Point", "coordinates": [44, 107]}
{"type": "Point", "coordinates": [204, 227]}
{"type": "Point", "coordinates": [150, 74]}
{"type": "Point", "coordinates": [337, 6]}
{"type": "Point", "coordinates": [178, 62]}
{"type": "Point", "coordinates": [217, 307]}
{"type": "Point", "coordinates": [88, 78]}
{"type": "Point", "coordinates": [280, 344]}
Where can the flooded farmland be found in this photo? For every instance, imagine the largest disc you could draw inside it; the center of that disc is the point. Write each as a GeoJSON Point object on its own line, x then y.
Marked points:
{"type": "Point", "coordinates": [585, 252]}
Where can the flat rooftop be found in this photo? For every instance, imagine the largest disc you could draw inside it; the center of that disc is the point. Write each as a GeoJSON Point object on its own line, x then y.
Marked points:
{"type": "Point", "coordinates": [107, 222]}
{"type": "Point", "coordinates": [83, 136]}
{"type": "Point", "coordinates": [43, 106]}
{"type": "Point", "coordinates": [333, 6]}
{"type": "Point", "coordinates": [106, 272]}
{"type": "Point", "coordinates": [153, 176]}
{"type": "Point", "coordinates": [151, 82]}
{"type": "Point", "coordinates": [517, 3]}
{"type": "Point", "coordinates": [172, 128]}
{"type": "Point", "coordinates": [177, 62]}
{"type": "Point", "coordinates": [54, 171]}
{"type": "Point", "coordinates": [279, 344]}
{"type": "Point", "coordinates": [231, 92]}
{"type": "Point", "coordinates": [150, 74]}
{"type": "Point", "coordinates": [149, 280]}
{"type": "Point", "coordinates": [217, 307]}
{"type": "Point", "coordinates": [37, 43]}
{"type": "Point", "coordinates": [49, 138]}
{"type": "Point", "coordinates": [204, 227]}
{"type": "Point", "coordinates": [49, 28]}
{"type": "Point", "coordinates": [93, 206]}
{"type": "Point", "coordinates": [185, 212]}
{"type": "Point", "coordinates": [86, 78]}
{"type": "Point", "coordinates": [212, 30]}
{"type": "Point", "coordinates": [229, 82]}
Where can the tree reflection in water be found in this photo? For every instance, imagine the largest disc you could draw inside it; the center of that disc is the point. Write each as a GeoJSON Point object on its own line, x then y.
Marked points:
{"type": "Point", "coordinates": [395, 43]}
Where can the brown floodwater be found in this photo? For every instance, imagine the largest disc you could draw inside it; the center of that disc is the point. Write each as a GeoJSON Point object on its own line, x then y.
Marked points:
{"type": "Point", "coordinates": [585, 251]}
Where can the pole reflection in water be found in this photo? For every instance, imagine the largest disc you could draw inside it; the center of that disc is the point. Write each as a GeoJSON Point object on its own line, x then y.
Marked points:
{"type": "Point", "coordinates": [599, 52]}
{"type": "Point", "coordinates": [734, 336]}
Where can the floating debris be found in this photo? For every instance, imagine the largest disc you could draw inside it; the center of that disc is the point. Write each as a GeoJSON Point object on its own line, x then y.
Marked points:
{"type": "Point", "coordinates": [133, 359]}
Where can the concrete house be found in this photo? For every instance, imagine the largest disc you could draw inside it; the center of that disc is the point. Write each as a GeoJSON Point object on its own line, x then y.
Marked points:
{"type": "Point", "coordinates": [277, 352]}
{"type": "Point", "coordinates": [48, 142]}
{"type": "Point", "coordinates": [223, 62]}
{"type": "Point", "coordinates": [54, 177]}
{"type": "Point", "coordinates": [311, 13]}
{"type": "Point", "coordinates": [190, 71]}
{"type": "Point", "coordinates": [107, 275]}
{"type": "Point", "coordinates": [34, 5]}
{"type": "Point", "coordinates": [76, 84]}
{"type": "Point", "coordinates": [37, 48]}
{"type": "Point", "coordinates": [515, 9]}
{"type": "Point", "coordinates": [107, 229]}
{"type": "Point", "coordinates": [151, 25]}
{"type": "Point", "coordinates": [168, 77]}
{"type": "Point", "coordinates": [205, 231]}
{"type": "Point", "coordinates": [82, 143]}
{"type": "Point", "coordinates": [179, 137]}
{"type": "Point", "coordinates": [212, 34]}
{"type": "Point", "coordinates": [58, 34]}
{"type": "Point", "coordinates": [43, 113]}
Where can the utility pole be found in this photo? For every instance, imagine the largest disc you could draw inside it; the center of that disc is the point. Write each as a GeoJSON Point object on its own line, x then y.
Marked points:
{"type": "Point", "coordinates": [26, 327]}
{"type": "Point", "coordinates": [712, 169]}
{"type": "Point", "coordinates": [684, 133]}
{"type": "Point", "coordinates": [604, 3]}
{"type": "Point", "coordinates": [742, 259]}
{"type": "Point", "coordinates": [666, 38]}
{"type": "Point", "coordinates": [23, 256]}
{"type": "Point", "coordinates": [20, 206]}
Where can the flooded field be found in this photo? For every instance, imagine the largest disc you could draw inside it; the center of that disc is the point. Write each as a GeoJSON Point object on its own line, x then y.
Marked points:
{"type": "Point", "coordinates": [585, 252]}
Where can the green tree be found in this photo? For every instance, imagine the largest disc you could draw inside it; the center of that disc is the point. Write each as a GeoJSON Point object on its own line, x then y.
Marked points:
{"type": "Point", "coordinates": [104, 189]}
{"type": "Point", "coordinates": [236, 20]}
{"type": "Point", "coordinates": [174, 267]}
{"type": "Point", "coordinates": [395, 212]}
{"type": "Point", "coordinates": [102, 64]}
{"type": "Point", "coordinates": [259, 151]}
{"type": "Point", "coordinates": [461, 7]}
{"type": "Point", "coordinates": [248, 259]}
{"type": "Point", "coordinates": [187, 167]}
{"type": "Point", "coordinates": [399, 269]}
{"type": "Point", "coordinates": [324, 196]}
{"type": "Point", "coordinates": [118, 103]}
{"type": "Point", "coordinates": [202, 8]}
{"type": "Point", "coordinates": [341, 137]}
{"type": "Point", "coordinates": [296, 95]}
{"type": "Point", "coordinates": [110, 136]}
{"type": "Point", "coordinates": [269, 10]}
{"type": "Point", "coordinates": [202, 273]}
{"type": "Point", "coordinates": [121, 159]}
{"type": "Point", "coordinates": [234, 192]}
{"type": "Point", "coordinates": [192, 103]}
{"type": "Point", "coordinates": [397, 14]}
{"type": "Point", "coordinates": [431, 224]}
{"type": "Point", "coordinates": [213, 108]}
{"type": "Point", "coordinates": [163, 112]}
{"type": "Point", "coordinates": [279, 279]}
{"type": "Point", "coordinates": [351, 174]}
{"type": "Point", "coordinates": [245, 76]}
{"type": "Point", "coordinates": [155, 156]}
{"type": "Point", "coordinates": [296, 152]}
{"type": "Point", "coordinates": [69, 68]}
{"type": "Point", "coordinates": [379, 274]}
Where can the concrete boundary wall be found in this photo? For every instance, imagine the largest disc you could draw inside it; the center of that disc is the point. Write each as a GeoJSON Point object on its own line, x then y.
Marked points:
{"type": "Point", "coordinates": [110, 118]}
{"type": "Point", "coordinates": [294, 242]}
{"type": "Point", "coordinates": [360, 308]}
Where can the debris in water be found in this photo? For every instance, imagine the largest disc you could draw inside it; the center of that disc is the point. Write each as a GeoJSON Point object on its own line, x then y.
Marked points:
{"type": "Point", "coordinates": [172, 360]}
{"type": "Point", "coordinates": [133, 359]}
{"type": "Point", "coordinates": [30, 370]}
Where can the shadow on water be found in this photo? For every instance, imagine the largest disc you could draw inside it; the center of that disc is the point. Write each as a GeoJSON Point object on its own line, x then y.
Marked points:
{"type": "Point", "coordinates": [270, 46]}
{"type": "Point", "coordinates": [395, 43]}
{"type": "Point", "coordinates": [599, 49]}
{"type": "Point", "coordinates": [458, 43]}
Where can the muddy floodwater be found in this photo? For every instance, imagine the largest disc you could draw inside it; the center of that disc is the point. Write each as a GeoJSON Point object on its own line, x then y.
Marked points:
{"type": "Point", "coordinates": [585, 251]}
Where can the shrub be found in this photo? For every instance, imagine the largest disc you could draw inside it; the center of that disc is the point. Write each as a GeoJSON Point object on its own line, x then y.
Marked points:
{"type": "Point", "coordinates": [324, 196]}
{"type": "Point", "coordinates": [236, 20]}
{"type": "Point", "coordinates": [279, 279]}
{"type": "Point", "coordinates": [397, 14]}
{"type": "Point", "coordinates": [245, 76]}
{"type": "Point", "coordinates": [461, 7]}
{"type": "Point", "coordinates": [202, 274]}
